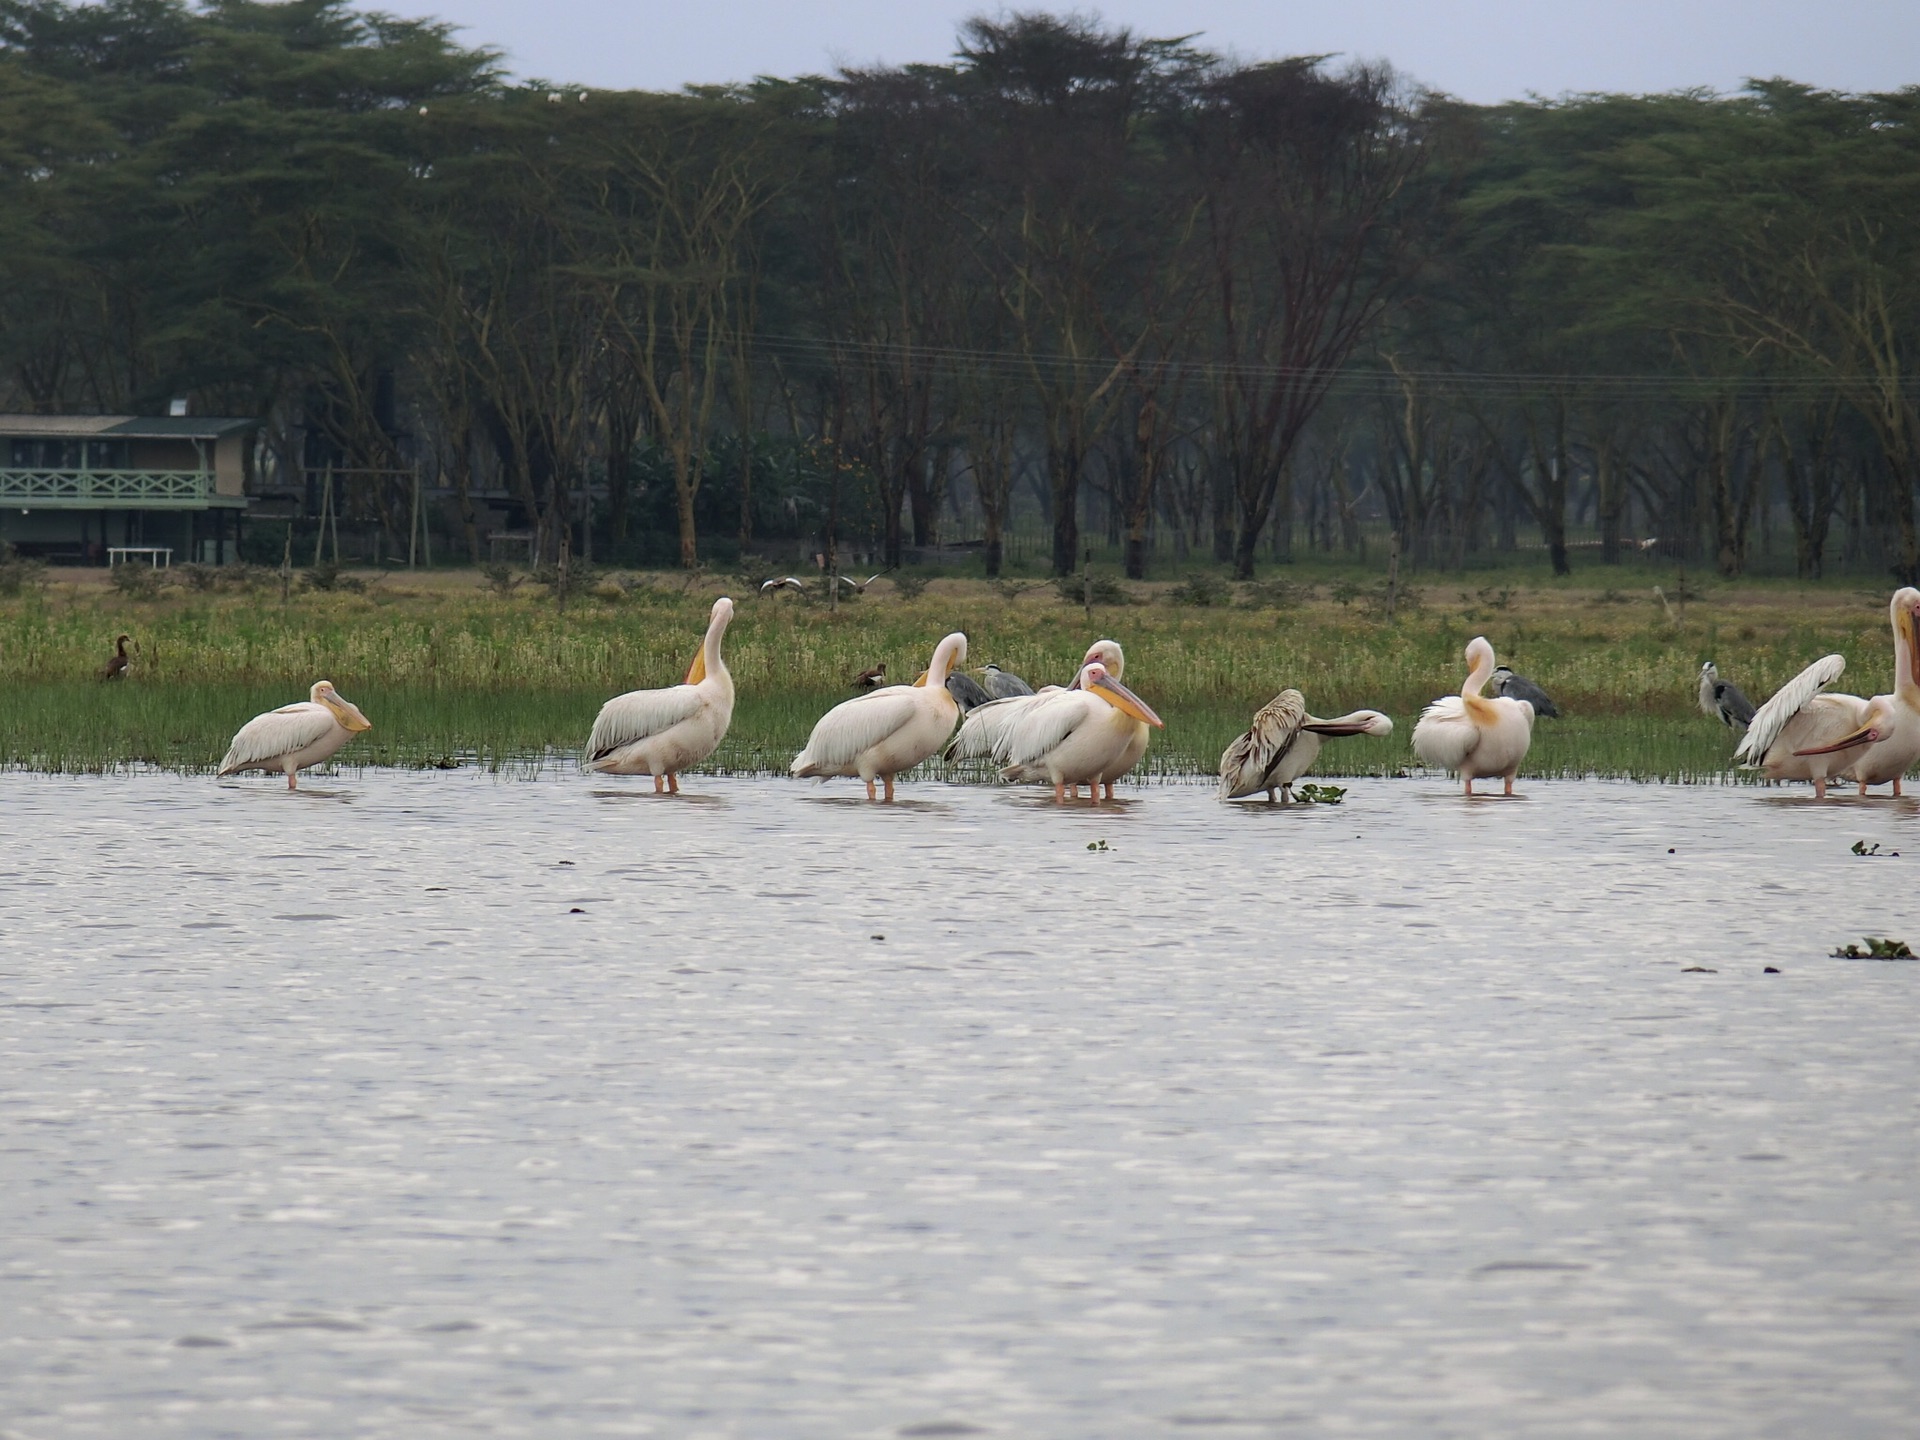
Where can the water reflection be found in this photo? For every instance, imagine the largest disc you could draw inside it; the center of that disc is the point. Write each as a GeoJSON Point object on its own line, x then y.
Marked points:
{"type": "Point", "coordinates": [822, 1117]}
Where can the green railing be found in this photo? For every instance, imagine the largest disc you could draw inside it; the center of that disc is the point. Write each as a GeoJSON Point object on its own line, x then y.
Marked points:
{"type": "Point", "coordinates": [107, 489]}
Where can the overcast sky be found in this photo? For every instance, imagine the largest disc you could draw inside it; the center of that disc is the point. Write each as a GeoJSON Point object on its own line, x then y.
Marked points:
{"type": "Point", "coordinates": [1481, 50]}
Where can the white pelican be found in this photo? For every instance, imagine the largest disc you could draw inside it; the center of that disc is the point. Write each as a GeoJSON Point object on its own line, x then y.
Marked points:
{"type": "Point", "coordinates": [296, 736]}
{"type": "Point", "coordinates": [985, 730]}
{"type": "Point", "coordinates": [1887, 726]}
{"type": "Point", "coordinates": [662, 732]}
{"type": "Point", "coordinates": [1079, 736]}
{"type": "Point", "coordinates": [1471, 734]}
{"type": "Point", "coordinates": [1283, 744]}
{"type": "Point", "coordinates": [1786, 734]}
{"type": "Point", "coordinates": [886, 731]}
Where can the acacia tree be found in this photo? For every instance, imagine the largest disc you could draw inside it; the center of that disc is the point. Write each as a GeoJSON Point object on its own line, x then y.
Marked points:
{"type": "Point", "coordinates": [1309, 215]}
{"type": "Point", "coordinates": [1065, 112]}
{"type": "Point", "coordinates": [682, 182]}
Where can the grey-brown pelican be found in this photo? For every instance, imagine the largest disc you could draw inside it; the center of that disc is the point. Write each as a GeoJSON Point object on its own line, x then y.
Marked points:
{"type": "Point", "coordinates": [1282, 745]}
{"type": "Point", "coordinates": [1722, 700]}
{"type": "Point", "coordinates": [1517, 687]}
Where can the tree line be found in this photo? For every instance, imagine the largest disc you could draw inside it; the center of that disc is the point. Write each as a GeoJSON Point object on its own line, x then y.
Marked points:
{"type": "Point", "coordinates": [1113, 281]}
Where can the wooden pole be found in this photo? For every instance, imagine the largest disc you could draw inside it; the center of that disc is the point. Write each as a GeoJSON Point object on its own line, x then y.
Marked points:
{"type": "Point", "coordinates": [326, 506]}
{"type": "Point", "coordinates": [1393, 572]}
{"type": "Point", "coordinates": [413, 518]}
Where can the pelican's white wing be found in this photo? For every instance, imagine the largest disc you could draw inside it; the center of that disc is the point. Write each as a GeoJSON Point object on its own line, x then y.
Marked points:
{"type": "Point", "coordinates": [1250, 759]}
{"type": "Point", "coordinates": [276, 733]}
{"type": "Point", "coordinates": [856, 725]}
{"type": "Point", "coordinates": [1043, 727]}
{"type": "Point", "coordinates": [1788, 701]}
{"type": "Point", "coordinates": [983, 734]}
{"type": "Point", "coordinates": [639, 714]}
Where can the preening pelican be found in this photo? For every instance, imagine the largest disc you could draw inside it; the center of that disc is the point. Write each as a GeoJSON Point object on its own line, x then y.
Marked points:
{"type": "Point", "coordinates": [886, 731]}
{"type": "Point", "coordinates": [662, 732]}
{"type": "Point", "coordinates": [1887, 726]}
{"type": "Point", "coordinates": [1786, 735]}
{"type": "Point", "coordinates": [1079, 736]}
{"type": "Point", "coordinates": [296, 736]}
{"type": "Point", "coordinates": [1283, 744]}
{"type": "Point", "coordinates": [1471, 734]}
{"type": "Point", "coordinates": [1723, 700]}
{"type": "Point", "coordinates": [986, 730]}
{"type": "Point", "coordinates": [117, 662]}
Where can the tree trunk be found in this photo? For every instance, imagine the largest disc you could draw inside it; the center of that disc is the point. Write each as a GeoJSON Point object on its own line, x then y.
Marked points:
{"type": "Point", "coordinates": [1063, 467]}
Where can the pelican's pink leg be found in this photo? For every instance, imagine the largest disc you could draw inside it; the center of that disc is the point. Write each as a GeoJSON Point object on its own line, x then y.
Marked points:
{"type": "Point", "coordinates": [1469, 780]}
{"type": "Point", "coordinates": [1273, 795]}
{"type": "Point", "coordinates": [1509, 785]}
{"type": "Point", "coordinates": [1819, 787]}
{"type": "Point", "coordinates": [657, 785]}
{"type": "Point", "coordinates": [889, 789]}
{"type": "Point", "coordinates": [292, 784]}
{"type": "Point", "coordinates": [1863, 789]}
{"type": "Point", "coordinates": [1896, 787]}
{"type": "Point", "coordinates": [870, 791]}
{"type": "Point", "coordinates": [673, 783]}
{"type": "Point", "coordinates": [1060, 792]}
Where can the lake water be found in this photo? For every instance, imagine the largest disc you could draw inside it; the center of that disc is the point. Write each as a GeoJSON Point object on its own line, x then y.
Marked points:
{"type": "Point", "coordinates": [445, 1104]}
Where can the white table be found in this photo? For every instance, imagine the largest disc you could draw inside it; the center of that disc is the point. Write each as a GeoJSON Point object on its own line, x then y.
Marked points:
{"type": "Point", "coordinates": [160, 557]}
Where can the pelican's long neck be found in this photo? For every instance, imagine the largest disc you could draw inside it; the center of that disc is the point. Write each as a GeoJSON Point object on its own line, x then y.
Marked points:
{"type": "Point", "coordinates": [1904, 640]}
{"type": "Point", "coordinates": [1481, 672]}
{"type": "Point", "coordinates": [942, 664]}
{"type": "Point", "coordinates": [710, 647]}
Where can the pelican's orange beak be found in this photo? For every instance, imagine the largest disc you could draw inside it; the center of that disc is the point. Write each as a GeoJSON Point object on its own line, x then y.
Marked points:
{"type": "Point", "coordinates": [1126, 702]}
{"type": "Point", "coordinates": [346, 712]}
{"type": "Point", "coordinates": [697, 671]}
{"type": "Point", "coordinates": [1865, 735]}
{"type": "Point", "coordinates": [921, 679]}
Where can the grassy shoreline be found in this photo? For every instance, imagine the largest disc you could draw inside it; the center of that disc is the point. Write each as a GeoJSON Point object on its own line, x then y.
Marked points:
{"type": "Point", "coordinates": [448, 669]}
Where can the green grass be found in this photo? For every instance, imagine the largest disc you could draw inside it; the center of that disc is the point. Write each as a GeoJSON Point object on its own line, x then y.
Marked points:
{"type": "Point", "coordinates": [448, 670]}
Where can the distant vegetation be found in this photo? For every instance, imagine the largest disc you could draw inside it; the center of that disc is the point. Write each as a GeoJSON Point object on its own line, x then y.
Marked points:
{"type": "Point", "coordinates": [449, 666]}
{"type": "Point", "coordinates": [1118, 286]}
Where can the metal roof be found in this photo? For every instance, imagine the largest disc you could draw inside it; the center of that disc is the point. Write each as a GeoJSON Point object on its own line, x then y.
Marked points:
{"type": "Point", "coordinates": [123, 427]}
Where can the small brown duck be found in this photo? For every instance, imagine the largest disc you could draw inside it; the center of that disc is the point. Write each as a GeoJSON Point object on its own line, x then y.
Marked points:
{"type": "Point", "coordinates": [117, 665]}
{"type": "Point", "coordinates": [870, 679]}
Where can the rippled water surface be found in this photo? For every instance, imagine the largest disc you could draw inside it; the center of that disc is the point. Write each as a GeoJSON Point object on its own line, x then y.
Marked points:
{"type": "Point", "coordinates": [421, 1105]}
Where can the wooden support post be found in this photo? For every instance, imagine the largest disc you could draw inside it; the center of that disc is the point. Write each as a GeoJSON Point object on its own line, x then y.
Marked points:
{"type": "Point", "coordinates": [413, 518]}
{"type": "Point", "coordinates": [1393, 572]}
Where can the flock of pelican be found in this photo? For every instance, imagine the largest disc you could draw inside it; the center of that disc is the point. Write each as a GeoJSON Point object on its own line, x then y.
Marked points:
{"type": "Point", "coordinates": [1095, 730]}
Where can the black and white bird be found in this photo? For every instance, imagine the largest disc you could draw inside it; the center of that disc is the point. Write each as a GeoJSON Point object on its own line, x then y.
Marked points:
{"type": "Point", "coordinates": [785, 582]}
{"type": "Point", "coordinates": [118, 662]}
{"type": "Point", "coordinates": [859, 587]}
{"type": "Point", "coordinates": [1002, 684]}
{"type": "Point", "coordinates": [1723, 700]}
{"type": "Point", "coordinates": [1518, 687]}
{"type": "Point", "coordinates": [870, 679]}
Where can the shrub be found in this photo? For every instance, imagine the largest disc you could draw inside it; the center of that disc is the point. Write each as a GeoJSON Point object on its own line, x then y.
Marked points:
{"type": "Point", "coordinates": [1274, 594]}
{"type": "Point", "coordinates": [1106, 590]}
{"type": "Point", "coordinates": [18, 574]}
{"type": "Point", "coordinates": [136, 582]}
{"type": "Point", "coordinates": [1203, 590]}
{"type": "Point", "coordinates": [909, 587]}
{"type": "Point", "coordinates": [328, 575]}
